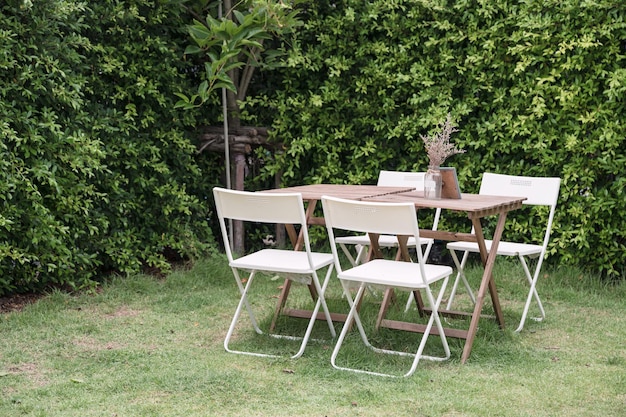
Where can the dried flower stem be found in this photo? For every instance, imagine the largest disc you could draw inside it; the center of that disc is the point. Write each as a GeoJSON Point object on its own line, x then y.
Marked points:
{"type": "Point", "coordinates": [438, 147]}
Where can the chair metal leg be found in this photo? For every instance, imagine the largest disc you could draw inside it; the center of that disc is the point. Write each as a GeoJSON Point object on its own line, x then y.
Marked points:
{"type": "Point", "coordinates": [532, 280]}
{"type": "Point", "coordinates": [411, 299]}
{"type": "Point", "coordinates": [352, 315]}
{"type": "Point", "coordinates": [531, 293]}
{"type": "Point", "coordinates": [243, 301]}
{"type": "Point", "coordinates": [321, 302]}
{"type": "Point", "coordinates": [361, 254]}
{"type": "Point", "coordinates": [346, 252]}
{"type": "Point", "coordinates": [460, 276]}
{"type": "Point", "coordinates": [434, 319]}
{"type": "Point", "coordinates": [241, 291]}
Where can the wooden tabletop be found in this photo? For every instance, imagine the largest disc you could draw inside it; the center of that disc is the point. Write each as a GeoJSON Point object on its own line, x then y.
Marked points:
{"type": "Point", "coordinates": [355, 192]}
{"type": "Point", "coordinates": [476, 205]}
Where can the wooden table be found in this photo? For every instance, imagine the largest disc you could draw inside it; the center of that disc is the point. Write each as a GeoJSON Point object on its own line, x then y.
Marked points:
{"type": "Point", "coordinates": [475, 206]}
{"type": "Point", "coordinates": [312, 194]}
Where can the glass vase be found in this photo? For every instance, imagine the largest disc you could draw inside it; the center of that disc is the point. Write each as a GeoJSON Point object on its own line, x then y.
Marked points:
{"type": "Point", "coordinates": [432, 183]}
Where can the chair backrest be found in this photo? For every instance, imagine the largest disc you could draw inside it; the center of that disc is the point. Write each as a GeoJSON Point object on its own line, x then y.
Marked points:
{"type": "Point", "coordinates": [370, 217]}
{"type": "Point", "coordinates": [406, 179]}
{"type": "Point", "coordinates": [541, 191]}
{"type": "Point", "coordinates": [259, 207]}
{"type": "Point", "coordinates": [401, 179]}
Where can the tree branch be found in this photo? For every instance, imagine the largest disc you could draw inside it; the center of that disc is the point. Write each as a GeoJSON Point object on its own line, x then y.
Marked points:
{"type": "Point", "coordinates": [246, 76]}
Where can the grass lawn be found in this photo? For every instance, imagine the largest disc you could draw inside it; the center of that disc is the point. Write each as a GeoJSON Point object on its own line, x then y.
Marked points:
{"type": "Point", "coordinates": [142, 346]}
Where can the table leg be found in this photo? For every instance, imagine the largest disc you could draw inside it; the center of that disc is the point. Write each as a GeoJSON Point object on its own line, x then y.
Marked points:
{"type": "Point", "coordinates": [293, 236]}
{"type": "Point", "coordinates": [310, 209]}
{"type": "Point", "coordinates": [282, 299]}
{"type": "Point", "coordinates": [389, 297]}
{"type": "Point", "coordinates": [297, 240]}
{"type": "Point", "coordinates": [486, 283]}
{"type": "Point", "coordinates": [403, 254]}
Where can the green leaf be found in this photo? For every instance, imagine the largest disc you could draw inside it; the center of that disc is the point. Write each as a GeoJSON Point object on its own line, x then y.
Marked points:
{"type": "Point", "coordinates": [192, 49]}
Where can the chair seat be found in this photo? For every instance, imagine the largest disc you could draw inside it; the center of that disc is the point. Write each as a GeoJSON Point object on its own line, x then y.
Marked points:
{"type": "Point", "coordinates": [504, 248]}
{"type": "Point", "coordinates": [284, 261]}
{"type": "Point", "coordinates": [384, 241]}
{"type": "Point", "coordinates": [402, 275]}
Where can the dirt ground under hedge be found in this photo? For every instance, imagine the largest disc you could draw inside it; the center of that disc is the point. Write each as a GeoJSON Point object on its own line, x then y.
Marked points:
{"type": "Point", "coordinates": [17, 302]}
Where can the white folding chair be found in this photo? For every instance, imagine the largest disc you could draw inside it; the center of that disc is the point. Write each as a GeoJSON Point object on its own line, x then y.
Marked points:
{"type": "Point", "coordinates": [362, 242]}
{"type": "Point", "coordinates": [539, 191]}
{"type": "Point", "coordinates": [299, 266]}
{"type": "Point", "coordinates": [392, 219]}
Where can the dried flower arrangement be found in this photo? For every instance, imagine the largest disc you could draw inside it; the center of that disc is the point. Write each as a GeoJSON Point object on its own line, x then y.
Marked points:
{"type": "Point", "coordinates": [438, 146]}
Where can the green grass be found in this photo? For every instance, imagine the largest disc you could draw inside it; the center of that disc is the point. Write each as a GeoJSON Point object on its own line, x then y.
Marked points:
{"type": "Point", "coordinates": [148, 347]}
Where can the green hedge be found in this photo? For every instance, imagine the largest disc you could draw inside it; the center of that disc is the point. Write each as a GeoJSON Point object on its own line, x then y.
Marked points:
{"type": "Point", "coordinates": [97, 171]}
{"type": "Point", "coordinates": [536, 87]}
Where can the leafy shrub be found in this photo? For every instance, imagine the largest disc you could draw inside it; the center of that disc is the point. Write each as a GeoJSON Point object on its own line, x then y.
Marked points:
{"type": "Point", "coordinates": [153, 182]}
{"type": "Point", "coordinates": [536, 88]}
{"type": "Point", "coordinates": [47, 159]}
{"type": "Point", "coordinates": [97, 172]}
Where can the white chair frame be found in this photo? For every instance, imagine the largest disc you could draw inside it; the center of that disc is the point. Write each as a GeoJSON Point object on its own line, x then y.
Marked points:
{"type": "Point", "coordinates": [392, 219]}
{"type": "Point", "coordinates": [299, 266]}
{"type": "Point", "coordinates": [543, 191]}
